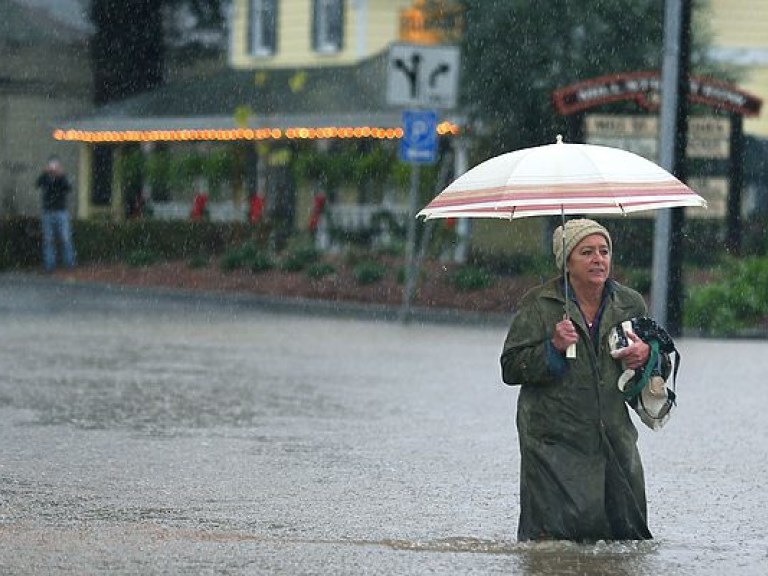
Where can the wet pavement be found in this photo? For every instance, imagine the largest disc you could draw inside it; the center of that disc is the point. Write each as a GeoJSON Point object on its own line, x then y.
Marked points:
{"type": "Point", "coordinates": [147, 433]}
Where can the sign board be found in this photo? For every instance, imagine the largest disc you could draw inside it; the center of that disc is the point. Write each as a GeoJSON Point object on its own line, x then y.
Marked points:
{"type": "Point", "coordinates": [708, 136]}
{"type": "Point", "coordinates": [419, 142]}
{"type": "Point", "coordinates": [622, 125]}
{"type": "Point", "coordinates": [645, 89]}
{"type": "Point", "coordinates": [425, 76]}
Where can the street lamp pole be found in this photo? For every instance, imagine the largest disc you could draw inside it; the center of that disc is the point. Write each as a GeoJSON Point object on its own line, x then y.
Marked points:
{"type": "Point", "coordinates": [666, 291]}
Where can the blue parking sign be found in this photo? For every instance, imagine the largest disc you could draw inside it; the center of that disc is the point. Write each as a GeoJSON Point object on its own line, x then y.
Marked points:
{"type": "Point", "coordinates": [419, 142]}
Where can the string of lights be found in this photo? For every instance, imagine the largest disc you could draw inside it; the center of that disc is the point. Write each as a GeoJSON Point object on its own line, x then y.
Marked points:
{"type": "Point", "coordinates": [235, 134]}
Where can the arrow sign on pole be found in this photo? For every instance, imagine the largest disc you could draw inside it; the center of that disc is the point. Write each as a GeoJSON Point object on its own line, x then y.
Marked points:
{"type": "Point", "coordinates": [425, 76]}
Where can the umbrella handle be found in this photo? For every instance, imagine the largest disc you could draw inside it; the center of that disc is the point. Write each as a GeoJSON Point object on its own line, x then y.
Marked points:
{"type": "Point", "coordinates": [570, 352]}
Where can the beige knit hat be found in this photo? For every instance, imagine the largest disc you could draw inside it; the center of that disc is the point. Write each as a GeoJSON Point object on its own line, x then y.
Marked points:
{"type": "Point", "coordinates": [575, 231]}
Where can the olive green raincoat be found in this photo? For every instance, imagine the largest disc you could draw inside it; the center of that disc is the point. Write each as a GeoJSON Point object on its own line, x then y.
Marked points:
{"type": "Point", "coordinates": [581, 477]}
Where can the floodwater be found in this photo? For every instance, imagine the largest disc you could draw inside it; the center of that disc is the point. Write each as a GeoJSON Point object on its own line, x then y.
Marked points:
{"type": "Point", "coordinates": [147, 433]}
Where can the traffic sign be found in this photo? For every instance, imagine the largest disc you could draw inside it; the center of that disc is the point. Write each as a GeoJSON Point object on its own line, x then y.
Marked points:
{"type": "Point", "coordinates": [419, 142]}
{"type": "Point", "coordinates": [425, 76]}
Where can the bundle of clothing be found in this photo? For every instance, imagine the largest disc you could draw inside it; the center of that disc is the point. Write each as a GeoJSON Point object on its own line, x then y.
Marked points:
{"type": "Point", "coordinates": [647, 390]}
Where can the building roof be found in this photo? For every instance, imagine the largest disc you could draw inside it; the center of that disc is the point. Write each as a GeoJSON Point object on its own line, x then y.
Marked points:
{"type": "Point", "coordinates": [249, 105]}
{"type": "Point", "coordinates": [44, 21]}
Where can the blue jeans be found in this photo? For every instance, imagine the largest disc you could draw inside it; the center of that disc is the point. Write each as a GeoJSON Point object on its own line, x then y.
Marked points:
{"type": "Point", "coordinates": [56, 225]}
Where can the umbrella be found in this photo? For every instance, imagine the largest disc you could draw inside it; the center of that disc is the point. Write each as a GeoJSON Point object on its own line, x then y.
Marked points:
{"type": "Point", "coordinates": [560, 179]}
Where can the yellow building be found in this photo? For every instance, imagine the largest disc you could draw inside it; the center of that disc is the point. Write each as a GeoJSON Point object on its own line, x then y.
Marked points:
{"type": "Point", "coordinates": [312, 33]}
{"type": "Point", "coordinates": [740, 39]}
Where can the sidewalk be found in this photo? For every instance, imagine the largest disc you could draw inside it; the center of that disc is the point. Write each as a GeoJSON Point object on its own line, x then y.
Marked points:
{"type": "Point", "coordinates": [301, 306]}
{"type": "Point", "coordinates": [316, 307]}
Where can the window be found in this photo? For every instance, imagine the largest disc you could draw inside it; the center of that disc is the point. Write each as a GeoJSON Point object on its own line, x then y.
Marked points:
{"type": "Point", "coordinates": [328, 26]}
{"type": "Point", "coordinates": [262, 32]}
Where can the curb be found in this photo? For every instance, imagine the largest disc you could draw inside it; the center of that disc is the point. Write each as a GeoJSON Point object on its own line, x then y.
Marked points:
{"type": "Point", "coordinates": [301, 306]}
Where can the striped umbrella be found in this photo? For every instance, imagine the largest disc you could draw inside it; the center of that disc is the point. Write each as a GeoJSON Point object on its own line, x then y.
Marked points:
{"type": "Point", "coordinates": [561, 179]}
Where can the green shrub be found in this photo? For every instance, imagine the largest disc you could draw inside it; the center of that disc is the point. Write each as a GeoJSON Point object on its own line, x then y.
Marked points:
{"type": "Point", "coordinates": [369, 272]}
{"type": "Point", "coordinates": [246, 255]}
{"type": "Point", "coordinates": [320, 270]}
{"type": "Point", "coordinates": [298, 258]}
{"type": "Point", "coordinates": [712, 310]}
{"type": "Point", "coordinates": [137, 258]}
{"type": "Point", "coordinates": [735, 302]}
{"type": "Point", "coordinates": [20, 239]}
{"type": "Point", "coordinates": [468, 278]}
{"type": "Point", "coordinates": [231, 260]}
{"type": "Point", "coordinates": [198, 261]}
{"type": "Point", "coordinates": [104, 241]}
{"type": "Point", "coordinates": [261, 262]}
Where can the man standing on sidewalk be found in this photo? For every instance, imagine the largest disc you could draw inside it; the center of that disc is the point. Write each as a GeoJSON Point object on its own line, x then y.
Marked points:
{"type": "Point", "coordinates": [55, 187]}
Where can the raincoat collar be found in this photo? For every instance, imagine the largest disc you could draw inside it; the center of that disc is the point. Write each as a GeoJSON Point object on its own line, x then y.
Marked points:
{"type": "Point", "coordinates": [555, 288]}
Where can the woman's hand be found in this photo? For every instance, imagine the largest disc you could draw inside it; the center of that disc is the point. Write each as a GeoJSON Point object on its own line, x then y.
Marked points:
{"type": "Point", "coordinates": [635, 355]}
{"type": "Point", "coordinates": [564, 335]}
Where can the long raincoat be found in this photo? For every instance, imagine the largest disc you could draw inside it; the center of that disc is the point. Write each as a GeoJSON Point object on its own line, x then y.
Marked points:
{"type": "Point", "coordinates": [581, 477]}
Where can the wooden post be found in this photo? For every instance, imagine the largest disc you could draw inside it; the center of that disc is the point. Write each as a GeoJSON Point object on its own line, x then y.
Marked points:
{"type": "Point", "coordinates": [84, 181]}
{"type": "Point", "coordinates": [118, 196]}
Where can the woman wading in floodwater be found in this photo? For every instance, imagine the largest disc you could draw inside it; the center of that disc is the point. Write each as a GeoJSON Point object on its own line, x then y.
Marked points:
{"type": "Point", "coordinates": [581, 477]}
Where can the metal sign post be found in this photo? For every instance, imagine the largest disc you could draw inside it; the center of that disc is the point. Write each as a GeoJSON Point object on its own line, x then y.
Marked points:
{"type": "Point", "coordinates": [418, 146]}
{"type": "Point", "coordinates": [424, 78]}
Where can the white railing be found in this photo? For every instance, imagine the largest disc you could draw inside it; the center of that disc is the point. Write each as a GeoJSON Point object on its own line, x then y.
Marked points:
{"type": "Point", "coordinates": [360, 216]}
{"type": "Point", "coordinates": [350, 217]}
{"type": "Point", "coordinates": [217, 211]}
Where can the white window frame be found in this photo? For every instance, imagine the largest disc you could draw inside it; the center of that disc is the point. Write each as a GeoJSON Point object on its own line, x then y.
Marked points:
{"type": "Point", "coordinates": [259, 42]}
{"type": "Point", "coordinates": [323, 29]}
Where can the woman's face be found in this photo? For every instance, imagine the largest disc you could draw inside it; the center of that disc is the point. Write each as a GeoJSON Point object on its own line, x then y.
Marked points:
{"type": "Point", "coordinates": [590, 262]}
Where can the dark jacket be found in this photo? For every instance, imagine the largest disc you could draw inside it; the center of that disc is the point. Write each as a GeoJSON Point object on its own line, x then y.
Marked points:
{"type": "Point", "coordinates": [54, 190]}
{"type": "Point", "coordinates": [581, 477]}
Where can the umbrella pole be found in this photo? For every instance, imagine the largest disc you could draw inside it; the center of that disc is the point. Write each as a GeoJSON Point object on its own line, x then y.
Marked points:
{"type": "Point", "coordinates": [565, 272]}
{"type": "Point", "coordinates": [570, 352]}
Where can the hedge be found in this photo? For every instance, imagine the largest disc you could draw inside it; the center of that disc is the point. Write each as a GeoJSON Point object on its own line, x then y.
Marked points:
{"type": "Point", "coordinates": [98, 241]}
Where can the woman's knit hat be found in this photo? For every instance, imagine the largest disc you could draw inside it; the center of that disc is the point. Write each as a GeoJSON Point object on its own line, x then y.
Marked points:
{"type": "Point", "coordinates": [575, 231]}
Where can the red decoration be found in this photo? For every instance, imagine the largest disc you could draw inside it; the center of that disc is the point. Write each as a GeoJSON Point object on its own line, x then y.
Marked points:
{"type": "Point", "coordinates": [317, 211]}
{"type": "Point", "coordinates": [256, 209]}
{"type": "Point", "coordinates": [199, 207]}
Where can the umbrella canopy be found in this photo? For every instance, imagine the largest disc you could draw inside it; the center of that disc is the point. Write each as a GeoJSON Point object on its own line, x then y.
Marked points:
{"type": "Point", "coordinates": [559, 179]}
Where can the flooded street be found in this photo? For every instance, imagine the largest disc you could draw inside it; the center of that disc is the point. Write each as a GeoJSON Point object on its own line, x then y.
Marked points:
{"type": "Point", "coordinates": [147, 433]}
